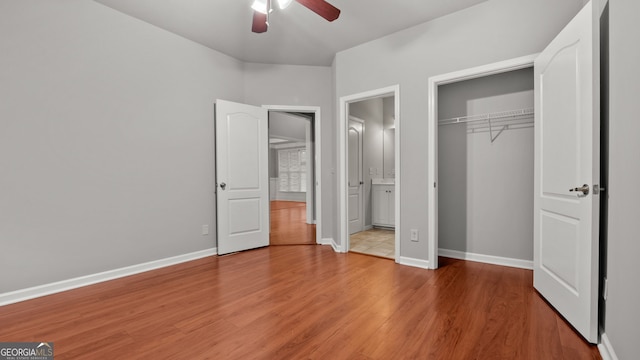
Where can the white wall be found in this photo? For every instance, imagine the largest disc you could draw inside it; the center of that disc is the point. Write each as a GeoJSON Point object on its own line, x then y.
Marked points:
{"type": "Point", "coordinates": [371, 111]}
{"type": "Point", "coordinates": [106, 140]}
{"type": "Point", "coordinates": [622, 311]}
{"type": "Point", "coordinates": [485, 197]}
{"type": "Point", "coordinates": [491, 31]}
{"type": "Point", "coordinates": [266, 84]}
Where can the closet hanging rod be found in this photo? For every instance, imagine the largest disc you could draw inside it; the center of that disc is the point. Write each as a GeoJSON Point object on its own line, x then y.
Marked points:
{"type": "Point", "coordinates": [527, 112]}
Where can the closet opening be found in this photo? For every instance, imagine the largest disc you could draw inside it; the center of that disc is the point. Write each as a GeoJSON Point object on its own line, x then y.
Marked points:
{"type": "Point", "coordinates": [481, 164]}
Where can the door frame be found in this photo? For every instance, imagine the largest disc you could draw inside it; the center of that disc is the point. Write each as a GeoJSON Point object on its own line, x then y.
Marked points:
{"type": "Point", "coordinates": [360, 169]}
{"type": "Point", "coordinates": [432, 135]}
{"type": "Point", "coordinates": [343, 192]}
{"type": "Point", "coordinates": [317, 156]}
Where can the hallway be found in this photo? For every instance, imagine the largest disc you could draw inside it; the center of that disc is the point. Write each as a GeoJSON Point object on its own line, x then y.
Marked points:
{"type": "Point", "coordinates": [288, 224]}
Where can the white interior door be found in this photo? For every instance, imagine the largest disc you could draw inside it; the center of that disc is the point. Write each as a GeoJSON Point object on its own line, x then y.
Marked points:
{"type": "Point", "coordinates": [566, 157]}
{"type": "Point", "coordinates": [241, 176]}
{"type": "Point", "coordinates": [354, 180]}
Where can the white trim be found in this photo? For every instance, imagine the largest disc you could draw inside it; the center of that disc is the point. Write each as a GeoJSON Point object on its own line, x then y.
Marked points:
{"type": "Point", "coordinates": [367, 227]}
{"type": "Point", "coordinates": [318, 156]}
{"type": "Point", "coordinates": [310, 191]}
{"type": "Point", "coordinates": [299, 145]}
{"type": "Point", "coordinates": [488, 259]}
{"type": "Point", "coordinates": [606, 349]}
{"type": "Point", "coordinates": [70, 284]}
{"type": "Point", "coordinates": [432, 135]}
{"type": "Point", "coordinates": [396, 125]}
{"type": "Point", "coordinates": [337, 248]}
{"type": "Point", "coordinates": [330, 241]}
{"type": "Point", "coordinates": [393, 90]}
{"type": "Point", "coordinates": [419, 263]}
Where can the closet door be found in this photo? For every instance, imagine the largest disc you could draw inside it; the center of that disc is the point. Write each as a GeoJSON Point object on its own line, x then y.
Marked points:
{"type": "Point", "coordinates": [566, 173]}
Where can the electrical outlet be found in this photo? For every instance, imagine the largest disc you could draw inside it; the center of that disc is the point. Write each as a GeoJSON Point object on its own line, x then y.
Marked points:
{"type": "Point", "coordinates": [414, 234]}
{"type": "Point", "coordinates": [372, 171]}
{"type": "Point", "coordinates": [205, 229]}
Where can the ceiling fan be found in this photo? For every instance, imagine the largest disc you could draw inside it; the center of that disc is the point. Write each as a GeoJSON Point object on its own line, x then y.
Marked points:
{"type": "Point", "coordinates": [262, 8]}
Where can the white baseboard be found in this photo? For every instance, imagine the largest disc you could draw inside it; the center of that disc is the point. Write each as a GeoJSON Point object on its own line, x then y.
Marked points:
{"type": "Point", "coordinates": [367, 227]}
{"type": "Point", "coordinates": [419, 263]}
{"type": "Point", "coordinates": [64, 285]}
{"type": "Point", "coordinates": [336, 247]}
{"type": "Point", "coordinates": [489, 259]}
{"type": "Point", "coordinates": [606, 350]}
{"type": "Point", "coordinates": [330, 241]}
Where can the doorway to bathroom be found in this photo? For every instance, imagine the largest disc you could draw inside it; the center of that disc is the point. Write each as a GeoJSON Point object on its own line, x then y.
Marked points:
{"type": "Point", "coordinates": [370, 175]}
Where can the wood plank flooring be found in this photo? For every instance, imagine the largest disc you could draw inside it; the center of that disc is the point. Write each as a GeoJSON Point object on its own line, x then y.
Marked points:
{"type": "Point", "coordinates": [289, 224]}
{"type": "Point", "coordinates": [301, 302]}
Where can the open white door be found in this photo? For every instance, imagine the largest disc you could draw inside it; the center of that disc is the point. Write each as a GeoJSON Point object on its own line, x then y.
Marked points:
{"type": "Point", "coordinates": [355, 181]}
{"type": "Point", "coordinates": [566, 158]}
{"type": "Point", "coordinates": [241, 176]}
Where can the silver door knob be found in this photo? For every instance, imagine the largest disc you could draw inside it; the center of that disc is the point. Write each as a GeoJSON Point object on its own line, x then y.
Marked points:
{"type": "Point", "coordinates": [223, 185]}
{"type": "Point", "coordinates": [584, 189]}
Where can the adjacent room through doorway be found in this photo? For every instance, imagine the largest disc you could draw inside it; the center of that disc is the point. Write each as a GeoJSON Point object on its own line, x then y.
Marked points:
{"type": "Point", "coordinates": [371, 172]}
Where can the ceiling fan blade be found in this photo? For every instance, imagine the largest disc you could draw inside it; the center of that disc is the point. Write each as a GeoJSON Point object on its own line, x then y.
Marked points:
{"type": "Point", "coordinates": [259, 22]}
{"type": "Point", "coordinates": [321, 8]}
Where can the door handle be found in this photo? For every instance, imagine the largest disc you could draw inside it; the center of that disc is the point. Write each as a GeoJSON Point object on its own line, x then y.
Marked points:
{"type": "Point", "coordinates": [584, 189]}
{"type": "Point", "coordinates": [223, 185]}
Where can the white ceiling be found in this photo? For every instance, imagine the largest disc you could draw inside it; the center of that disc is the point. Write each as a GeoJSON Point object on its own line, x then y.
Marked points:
{"type": "Point", "coordinates": [296, 35]}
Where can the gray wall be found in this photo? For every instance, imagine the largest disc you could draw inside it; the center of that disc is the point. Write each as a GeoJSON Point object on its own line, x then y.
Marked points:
{"type": "Point", "coordinates": [623, 313]}
{"type": "Point", "coordinates": [287, 126]}
{"type": "Point", "coordinates": [388, 123]}
{"type": "Point", "coordinates": [106, 141]}
{"type": "Point", "coordinates": [266, 84]}
{"type": "Point", "coordinates": [371, 111]}
{"type": "Point", "coordinates": [485, 196]}
{"type": "Point", "coordinates": [491, 31]}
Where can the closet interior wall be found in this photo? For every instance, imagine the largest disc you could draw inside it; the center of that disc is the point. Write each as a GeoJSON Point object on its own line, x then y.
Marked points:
{"type": "Point", "coordinates": [485, 191]}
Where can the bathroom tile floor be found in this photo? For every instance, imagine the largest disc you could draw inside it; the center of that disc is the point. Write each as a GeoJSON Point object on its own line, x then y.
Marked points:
{"type": "Point", "coordinates": [377, 242]}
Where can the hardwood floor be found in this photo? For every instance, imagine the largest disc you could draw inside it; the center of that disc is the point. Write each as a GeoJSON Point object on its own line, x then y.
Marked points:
{"type": "Point", "coordinates": [301, 302]}
{"type": "Point", "coordinates": [289, 224]}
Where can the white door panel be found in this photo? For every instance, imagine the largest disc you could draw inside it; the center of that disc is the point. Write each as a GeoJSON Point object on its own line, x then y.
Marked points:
{"type": "Point", "coordinates": [241, 175]}
{"type": "Point", "coordinates": [354, 181]}
{"type": "Point", "coordinates": [566, 157]}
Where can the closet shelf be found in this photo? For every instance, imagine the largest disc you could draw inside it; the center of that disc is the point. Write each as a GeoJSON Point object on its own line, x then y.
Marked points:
{"type": "Point", "coordinates": [494, 122]}
{"type": "Point", "coordinates": [502, 115]}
